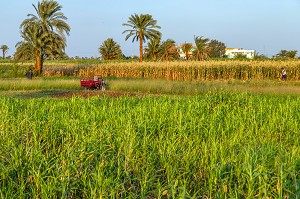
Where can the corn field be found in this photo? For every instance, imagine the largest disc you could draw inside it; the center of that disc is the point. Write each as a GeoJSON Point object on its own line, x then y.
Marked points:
{"type": "Point", "coordinates": [177, 70]}
{"type": "Point", "coordinates": [180, 70]}
{"type": "Point", "coordinates": [218, 145]}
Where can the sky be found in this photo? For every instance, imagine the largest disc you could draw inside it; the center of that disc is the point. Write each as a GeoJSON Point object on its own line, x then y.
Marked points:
{"type": "Point", "coordinates": [266, 26]}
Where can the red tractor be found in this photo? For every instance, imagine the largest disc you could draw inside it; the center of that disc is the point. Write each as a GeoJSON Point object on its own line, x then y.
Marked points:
{"type": "Point", "coordinates": [93, 83]}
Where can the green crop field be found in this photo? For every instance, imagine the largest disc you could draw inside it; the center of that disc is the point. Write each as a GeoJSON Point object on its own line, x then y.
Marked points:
{"type": "Point", "coordinates": [214, 145]}
{"type": "Point", "coordinates": [227, 129]}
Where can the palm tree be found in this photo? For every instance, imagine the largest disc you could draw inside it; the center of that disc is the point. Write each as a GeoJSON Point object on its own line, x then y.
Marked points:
{"type": "Point", "coordinates": [110, 50]}
{"type": "Point", "coordinates": [287, 54]}
{"type": "Point", "coordinates": [32, 46]}
{"type": "Point", "coordinates": [187, 49]}
{"type": "Point", "coordinates": [168, 50]}
{"type": "Point", "coordinates": [43, 34]}
{"type": "Point", "coordinates": [48, 17]}
{"type": "Point", "coordinates": [143, 27]}
{"type": "Point", "coordinates": [38, 45]}
{"type": "Point", "coordinates": [55, 46]}
{"type": "Point", "coordinates": [202, 48]}
{"type": "Point", "coordinates": [152, 49]}
{"type": "Point", "coordinates": [4, 49]}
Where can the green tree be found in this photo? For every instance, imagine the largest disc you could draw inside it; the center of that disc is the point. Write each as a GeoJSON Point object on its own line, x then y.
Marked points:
{"type": "Point", "coordinates": [258, 56]}
{"type": "Point", "coordinates": [110, 50]}
{"type": "Point", "coordinates": [4, 49]}
{"type": "Point", "coordinates": [202, 48]}
{"type": "Point", "coordinates": [287, 54]}
{"type": "Point", "coordinates": [187, 49]}
{"type": "Point", "coordinates": [32, 45]}
{"type": "Point", "coordinates": [292, 54]}
{"type": "Point", "coordinates": [143, 27]}
{"type": "Point", "coordinates": [240, 56]}
{"type": "Point", "coordinates": [217, 49]}
{"type": "Point", "coordinates": [152, 49]}
{"type": "Point", "coordinates": [282, 54]}
{"type": "Point", "coordinates": [43, 34]}
{"type": "Point", "coordinates": [49, 17]}
{"type": "Point", "coordinates": [38, 45]}
{"type": "Point", "coordinates": [168, 50]}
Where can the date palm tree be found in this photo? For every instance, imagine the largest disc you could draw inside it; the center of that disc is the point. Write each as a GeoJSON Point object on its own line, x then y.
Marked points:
{"type": "Point", "coordinates": [202, 48]}
{"type": "Point", "coordinates": [49, 17]}
{"type": "Point", "coordinates": [152, 49]}
{"type": "Point", "coordinates": [43, 33]}
{"type": "Point", "coordinates": [187, 50]}
{"type": "Point", "coordinates": [143, 27]}
{"type": "Point", "coordinates": [168, 50]}
{"type": "Point", "coordinates": [38, 45]}
{"type": "Point", "coordinates": [110, 50]}
{"type": "Point", "coordinates": [287, 54]}
{"type": "Point", "coordinates": [32, 45]}
{"type": "Point", "coordinates": [4, 49]}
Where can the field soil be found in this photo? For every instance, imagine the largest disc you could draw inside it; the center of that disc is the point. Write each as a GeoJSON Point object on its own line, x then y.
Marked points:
{"type": "Point", "coordinates": [272, 90]}
{"type": "Point", "coordinates": [92, 93]}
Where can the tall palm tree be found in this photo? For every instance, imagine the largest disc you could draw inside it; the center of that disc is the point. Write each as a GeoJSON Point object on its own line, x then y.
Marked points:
{"type": "Point", "coordinates": [43, 33]}
{"type": "Point", "coordinates": [168, 50]}
{"type": "Point", "coordinates": [38, 45]}
{"type": "Point", "coordinates": [4, 49]}
{"type": "Point", "coordinates": [187, 50]}
{"type": "Point", "coordinates": [32, 45]}
{"type": "Point", "coordinates": [110, 50]}
{"type": "Point", "coordinates": [143, 27]}
{"type": "Point", "coordinates": [152, 49]}
{"type": "Point", "coordinates": [55, 45]}
{"type": "Point", "coordinates": [202, 48]}
{"type": "Point", "coordinates": [49, 17]}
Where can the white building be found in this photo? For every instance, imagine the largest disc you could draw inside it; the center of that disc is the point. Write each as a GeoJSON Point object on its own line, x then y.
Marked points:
{"type": "Point", "coordinates": [232, 52]}
{"type": "Point", "coordinates": [182, 55]}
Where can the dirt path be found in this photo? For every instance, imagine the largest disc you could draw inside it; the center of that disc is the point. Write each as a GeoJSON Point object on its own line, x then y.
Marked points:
{"type": "Point", "coordinates": [294, 91]}
{"type": "Point", "coordinates": [91, 93]}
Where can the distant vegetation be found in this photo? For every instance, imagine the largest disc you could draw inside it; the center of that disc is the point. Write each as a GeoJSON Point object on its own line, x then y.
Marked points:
{"type": "Point", "coordinates": [110, 50]}
{"type": "Point", "coordinates": [4, 49]}
{"type": "Point", "coordinates": [287, 54]}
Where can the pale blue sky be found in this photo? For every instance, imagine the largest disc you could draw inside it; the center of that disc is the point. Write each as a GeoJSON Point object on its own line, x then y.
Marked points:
{"type": "Point", "coordinates": [266, 26]}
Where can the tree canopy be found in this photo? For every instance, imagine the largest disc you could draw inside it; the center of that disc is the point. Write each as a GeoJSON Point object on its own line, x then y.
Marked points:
{"type": "Point", "coordinates": [110, 50]}
{"type": "Point", "coordinates": [187, 49]}
{"type": "Point", "coordinates": [43, 34]}
{"type": "Point", "coordinates": [4, 49]}
{"type": "Point", "coordinates": [287, 54]}
{"type": "Point", "coordinates": [202, 48]}
{"type": "Point", "coordinates": [168, 50]}
{"type": "Point", "coordinates": [143, 27]}
{"type": "Point", "coordinates": [217, 49]}
{"type": "Point", "coordinates": [152, 49]}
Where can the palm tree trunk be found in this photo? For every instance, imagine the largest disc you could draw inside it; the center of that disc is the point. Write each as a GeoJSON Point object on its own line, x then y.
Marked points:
{"type": "Point", "coordinates": [141, 48]}
{"type": "Point", "coordinates": [154, 57]}
{"type": "Point", "coordinates": [38, 64]}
